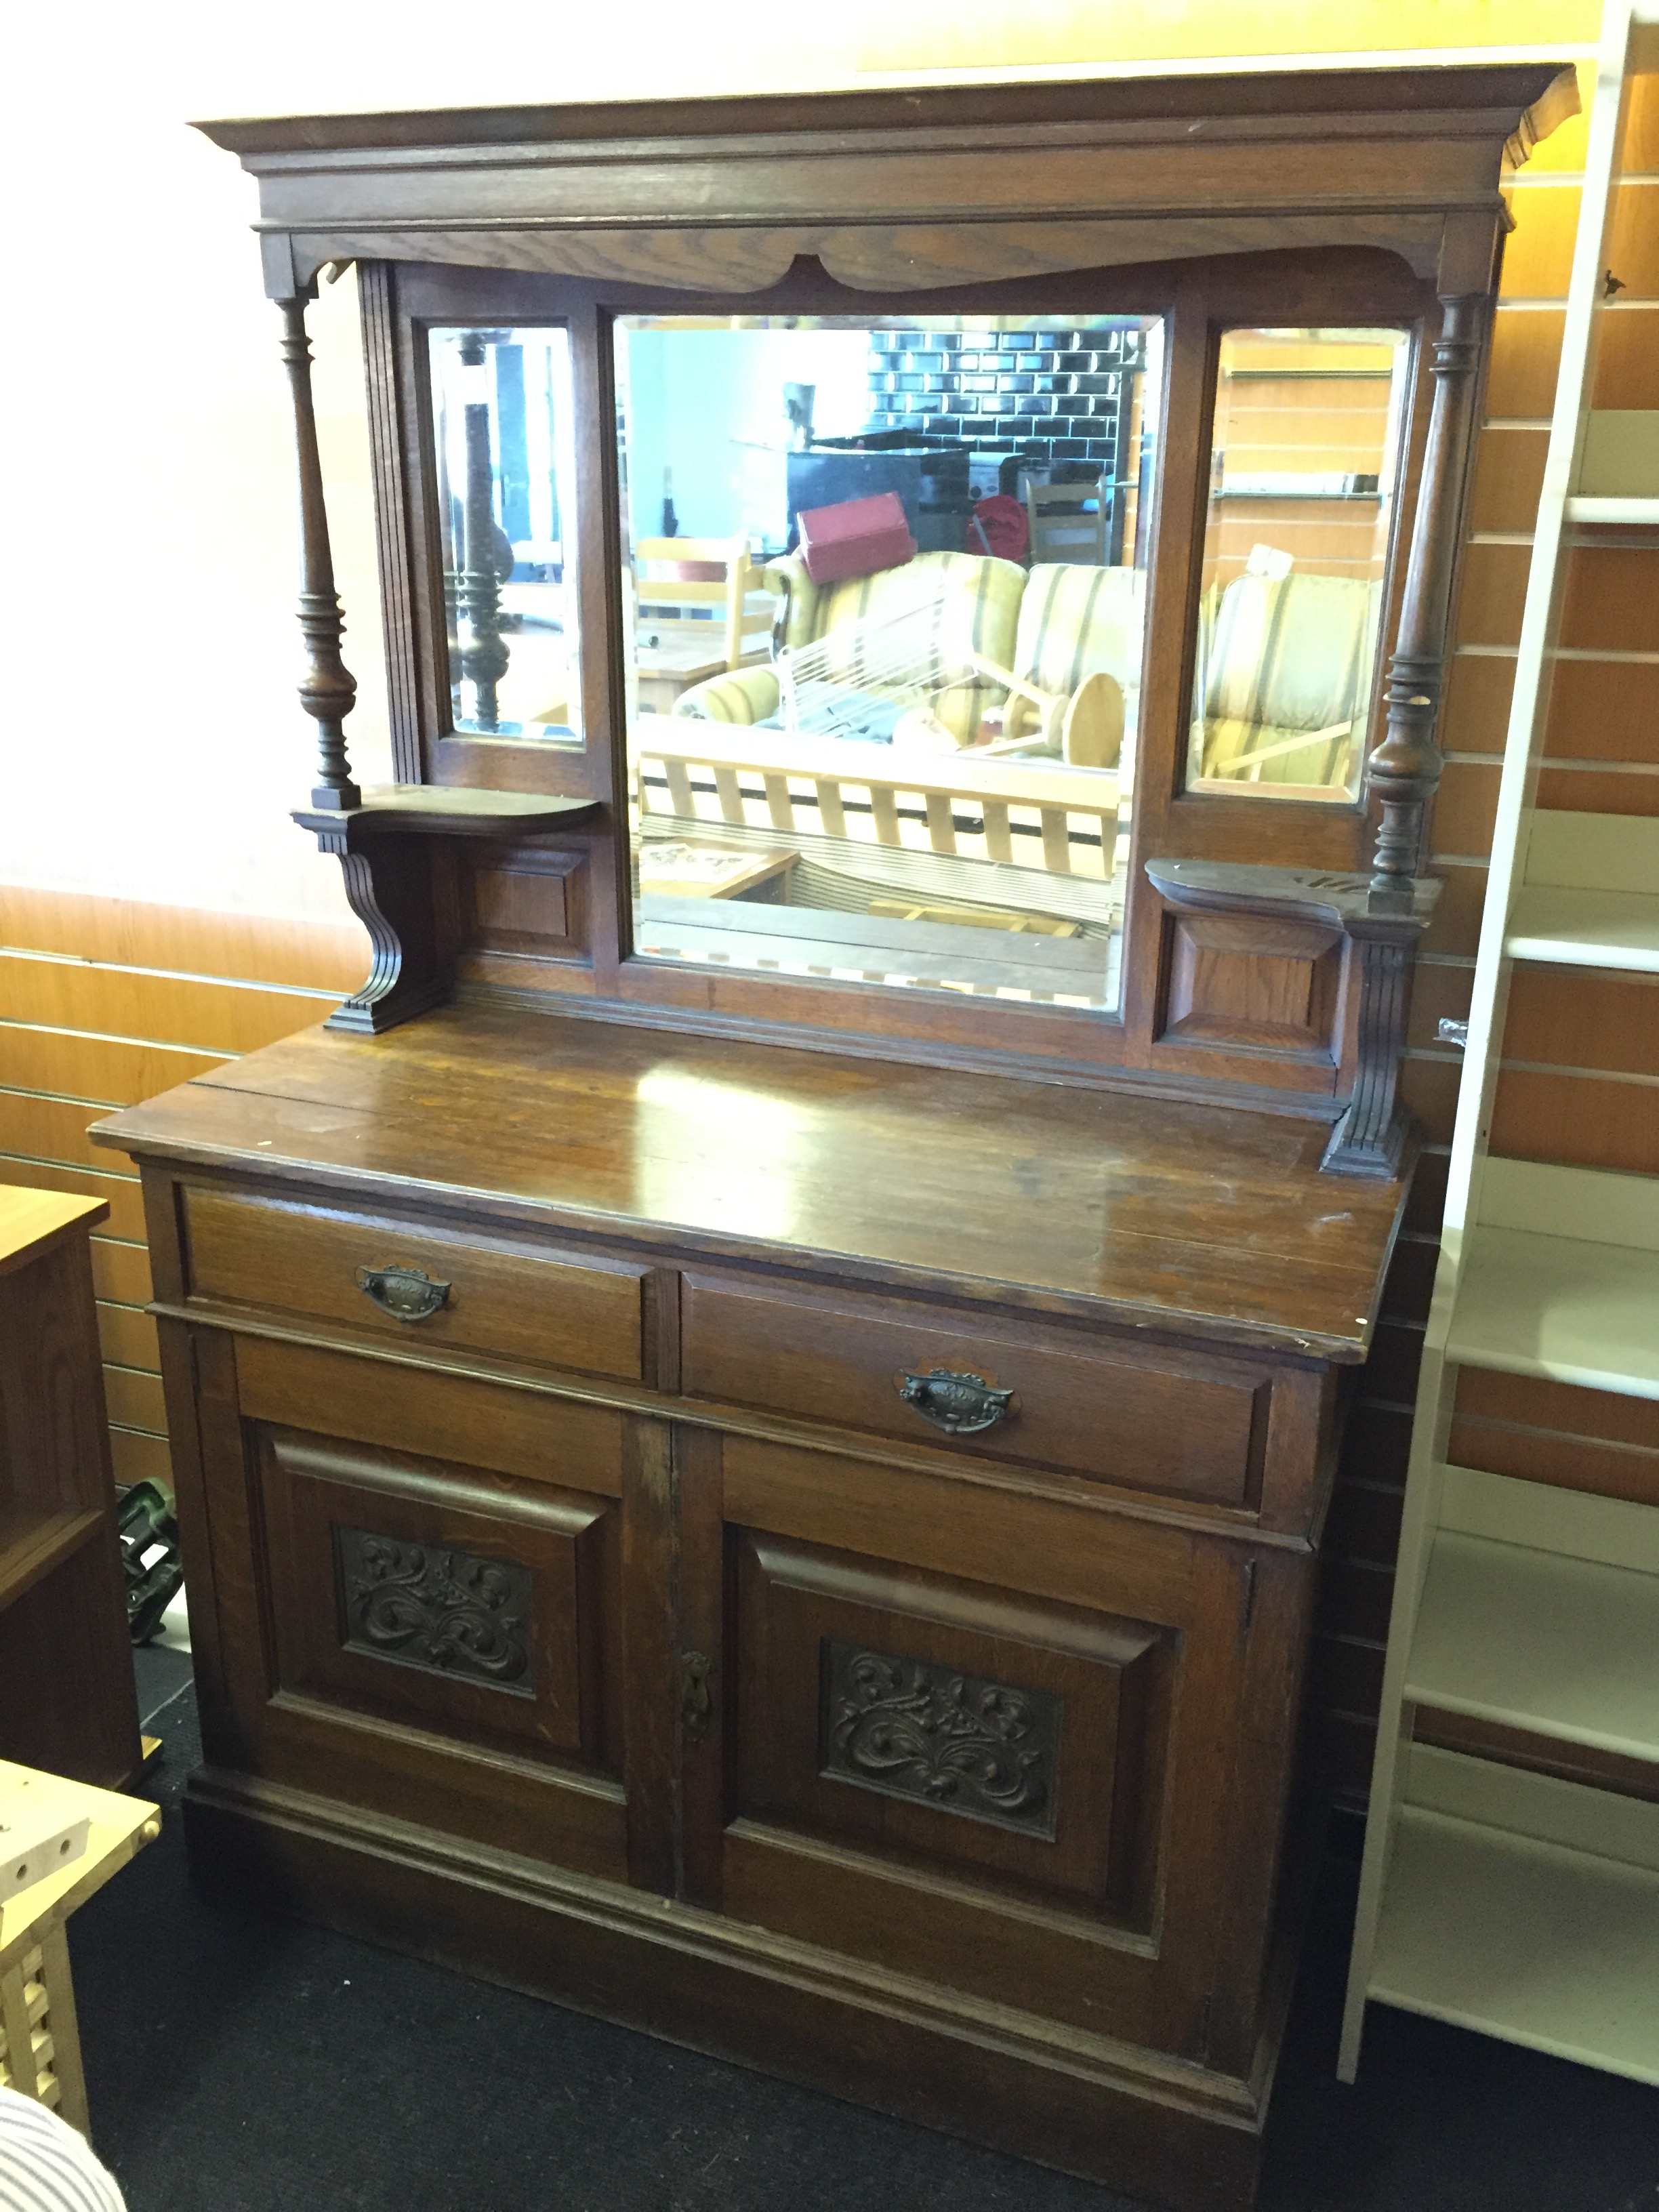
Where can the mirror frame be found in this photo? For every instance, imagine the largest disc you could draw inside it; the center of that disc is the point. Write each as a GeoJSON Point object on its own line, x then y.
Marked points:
{"type": "Point", "coordinates": [1327, 196]}
{"type": "Point", "coordinates": [1198, 299]}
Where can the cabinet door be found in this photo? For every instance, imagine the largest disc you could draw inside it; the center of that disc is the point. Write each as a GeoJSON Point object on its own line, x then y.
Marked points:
{"type": "Point", "coordinates": [990, 1741]}
{"type": "Point", "coordinates": [416, 1596]}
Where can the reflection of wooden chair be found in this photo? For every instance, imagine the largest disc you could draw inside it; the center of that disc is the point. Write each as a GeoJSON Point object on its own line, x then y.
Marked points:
{"type": "Point", "coordinates": [1079, 641]}
{"type": "Point", "coordinates": [697, 601]}
{"type": "Point", "coordinates": [1084, 728]}
{"type": "Point", "coordinates": [1068, 522]}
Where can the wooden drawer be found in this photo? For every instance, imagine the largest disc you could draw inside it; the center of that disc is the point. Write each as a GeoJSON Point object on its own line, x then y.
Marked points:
{"type": "Point", "coordinates": [1188, 1423]}
{"type": "Point", "coordinates": [552, 1310]}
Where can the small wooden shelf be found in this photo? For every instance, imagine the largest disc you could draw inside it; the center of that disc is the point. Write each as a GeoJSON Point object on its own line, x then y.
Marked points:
{"type": "Point", "coordinates": [1562, 1646]}
{"type": "Point", "coordinates": [395, 810]}
{"type": "Point", "coordinates": [1540, 1944]}
{"type": "Point", "coordinates": [1585, 929]}
{"type": "Point", "coordinates": [36, 1540]}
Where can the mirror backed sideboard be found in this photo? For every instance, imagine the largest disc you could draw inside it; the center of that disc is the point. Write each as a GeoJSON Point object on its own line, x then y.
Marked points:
{"type": "Point", "coordinates": [753, 1414]}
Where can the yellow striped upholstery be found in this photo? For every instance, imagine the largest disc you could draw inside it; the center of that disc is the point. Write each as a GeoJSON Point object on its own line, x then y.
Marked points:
{"type": "Point", "coordinates": [1074, 620]}
{"type": "Point", "coordinates": [743, 695]}
{"type": "Point", "coordinates": [1280, 655]}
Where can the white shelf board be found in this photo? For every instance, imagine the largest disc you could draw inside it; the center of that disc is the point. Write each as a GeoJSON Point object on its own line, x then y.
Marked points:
{"type": "Point", "coordinates": [1585, 929]}
{"type": "Point", "coordinates": [1532, 1639]}
{"type": "Point", "coordinates": [1569, 851]}
{"type": "Point", "coordinates": [1542, 1946]}
{"type": "Point", "coordinates": [1638, 513]}
{"type": "Point", "coordinates": [1568, 1310]}
{"type": "Point", "coordinates": [1594, 1205]}
{"type": "Point", "coordinates": [1619, 457]}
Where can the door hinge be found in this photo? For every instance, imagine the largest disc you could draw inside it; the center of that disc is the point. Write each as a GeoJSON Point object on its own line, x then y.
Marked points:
{"type": "Point", "coordinates": [1249, 1593]}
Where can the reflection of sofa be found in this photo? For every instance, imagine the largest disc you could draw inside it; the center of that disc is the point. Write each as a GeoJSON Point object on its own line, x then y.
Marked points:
{"type": "Point", "coordinates": [1074, 619]}
{"type": "Point", "coordinates": [1284, 675]}
{"type": "Point", "coordinates": [1050, 628]}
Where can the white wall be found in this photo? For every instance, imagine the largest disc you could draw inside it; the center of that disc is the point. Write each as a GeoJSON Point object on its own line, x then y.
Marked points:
{"type": "Point", "coordinates": [153, 743]}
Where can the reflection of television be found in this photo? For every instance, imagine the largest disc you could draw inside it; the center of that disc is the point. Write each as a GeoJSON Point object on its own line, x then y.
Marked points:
{"type": "Point", "coordinates": [931, 480]}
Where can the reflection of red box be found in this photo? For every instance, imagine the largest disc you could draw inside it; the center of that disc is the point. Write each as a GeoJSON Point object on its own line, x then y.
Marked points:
{"type": "Point", "coordinates": [855, 538]}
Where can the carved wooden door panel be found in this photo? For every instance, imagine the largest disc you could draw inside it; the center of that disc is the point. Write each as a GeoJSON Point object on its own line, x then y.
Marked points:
{"type": "Point", "coordinates": [418, 1582]}
{"type": "Point", "coordinates": [982, 1738]}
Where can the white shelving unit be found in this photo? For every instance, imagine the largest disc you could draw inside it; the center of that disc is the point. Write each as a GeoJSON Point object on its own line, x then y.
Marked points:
{"type": "Point", "coordinates": [1559, 1278]}
{"type": "Point", "coordinates": [1492, 1895]}
{"type": "Point", "coordinates": [1516, 1908]}
{"type": "Point", "coordinates": [1540, 1611]}
{"type": "Point", "coordinates": [1591, 897]}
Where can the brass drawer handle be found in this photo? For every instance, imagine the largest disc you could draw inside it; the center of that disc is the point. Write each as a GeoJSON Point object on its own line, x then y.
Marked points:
{"type": "Point", "coordinates": [961, 1405]}
{"type": "Point", "coordinates": [405, 1293]}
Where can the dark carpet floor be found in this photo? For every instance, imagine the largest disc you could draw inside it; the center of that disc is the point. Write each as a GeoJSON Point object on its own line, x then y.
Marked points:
{"type": "Point", "coordinates": [241, 2064]}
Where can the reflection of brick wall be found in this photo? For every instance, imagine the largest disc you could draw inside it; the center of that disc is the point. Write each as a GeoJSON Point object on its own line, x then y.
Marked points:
{"type": "Point", "coordinates": [1048, 395]}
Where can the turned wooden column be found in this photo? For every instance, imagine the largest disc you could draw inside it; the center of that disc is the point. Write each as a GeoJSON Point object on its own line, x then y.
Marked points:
{"type": "Point", "coordinates": [484, 657]}
{"type": "Point", "coordinates": [330, 690]}
{"type": "Point", "coordinates": [1405, 766]}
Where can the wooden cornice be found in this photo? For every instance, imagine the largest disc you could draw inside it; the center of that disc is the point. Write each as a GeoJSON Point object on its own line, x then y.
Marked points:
{"type": "Point", "coordinates": [1113, 171]}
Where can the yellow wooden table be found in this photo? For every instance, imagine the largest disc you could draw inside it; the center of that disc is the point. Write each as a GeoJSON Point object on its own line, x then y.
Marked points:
{"type": "Point", "coordinates": [39, 2043]}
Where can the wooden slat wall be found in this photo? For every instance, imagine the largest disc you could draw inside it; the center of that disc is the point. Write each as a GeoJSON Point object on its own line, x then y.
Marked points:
{"type": "Point", "coordinates": [1579, 1083]}
{"type": "Point", "coordinates": [106, 1001]}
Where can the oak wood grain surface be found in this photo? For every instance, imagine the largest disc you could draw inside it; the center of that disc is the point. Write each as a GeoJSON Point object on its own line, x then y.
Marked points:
{"type": "Point", "coordinates": [67, 1701]}
{"type": "Point", "coordinates": [1179, 1423]}
{"type": "Point", "coordinates": [584, 1317]}
{"type": "Point", "coordinates": [1104, 1203]}
{"type": "Point", "coordinates": [32, 1221]}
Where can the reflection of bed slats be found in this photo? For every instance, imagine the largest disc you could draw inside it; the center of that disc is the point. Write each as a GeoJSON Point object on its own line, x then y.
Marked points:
{"type": "Point", "coordinates": [1075, 810]}
{"type": "Point", "coordinates": [1056, 826]}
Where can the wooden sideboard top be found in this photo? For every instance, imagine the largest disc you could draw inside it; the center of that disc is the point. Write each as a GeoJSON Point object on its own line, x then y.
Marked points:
{"type": "Point", "coordinates": [1204, 1219]}
{"type": "Point", "coordinates": [33, 1221]}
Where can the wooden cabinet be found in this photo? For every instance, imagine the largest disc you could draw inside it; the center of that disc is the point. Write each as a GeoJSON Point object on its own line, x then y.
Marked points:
{"type": "Point", "coordinates": [67, 1698]}
{"type": "Point", "coordinates": [436, 1609]}
{"type": "Point", "coordinates": [754, 1463]}
{"type": "Point", "coordinates": [739, 1697]}
{"type": "Point", "coordinates": [973, 1741]}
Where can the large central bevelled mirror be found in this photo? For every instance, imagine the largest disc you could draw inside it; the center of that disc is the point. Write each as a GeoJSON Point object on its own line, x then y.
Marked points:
{"type": "Point", "coordinates": [885, 611]}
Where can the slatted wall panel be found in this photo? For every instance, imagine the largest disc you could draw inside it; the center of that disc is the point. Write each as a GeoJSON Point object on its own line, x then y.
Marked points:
{"type": "Point", "coordinates": [103, 1002]}
{"type": "Point", "coordinates": [1580, 1076]}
